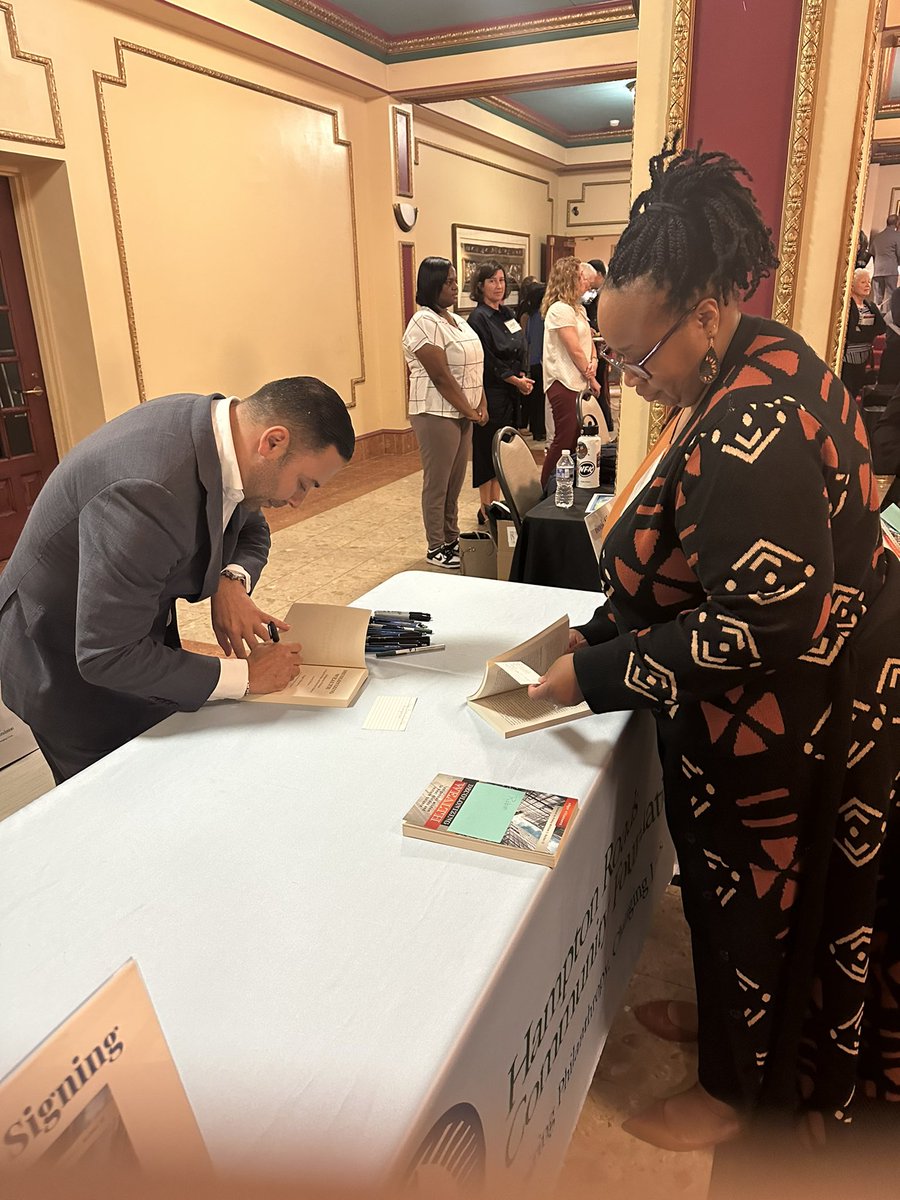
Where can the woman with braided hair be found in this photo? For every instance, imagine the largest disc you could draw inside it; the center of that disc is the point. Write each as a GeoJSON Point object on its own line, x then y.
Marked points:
{"type": "Point", "coordinates": [753, 607]}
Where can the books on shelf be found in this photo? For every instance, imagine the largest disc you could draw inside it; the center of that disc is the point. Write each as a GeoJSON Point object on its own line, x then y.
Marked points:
{"type": "Point", "coordinates": [502, 699]}
{"type": "Point", "coordinates": [334, 656]}
{"type": "Point", "coordinates": [492, 818]}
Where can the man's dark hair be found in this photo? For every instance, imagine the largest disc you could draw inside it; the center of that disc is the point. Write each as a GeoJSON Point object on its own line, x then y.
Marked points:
{"type": "Point", "coordinates": [531, 301]}
{"type": "Point", "coordinates": [599, 266]}
{"type": "Point", "coordinates": [310, 410]}
{"type": "Point", "coordinates": [893, 220]}
{"type": "Point", "coordinates": [430, 280]}
{"type": "Point", "coordinates": [697, 228]}
{"type": "Point", "coordinates": [484, 272]}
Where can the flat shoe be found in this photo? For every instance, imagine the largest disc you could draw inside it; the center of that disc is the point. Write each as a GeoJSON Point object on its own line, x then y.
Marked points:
{"type": "Point", "coordinates": [651, 1126]}
{"type": "Point", "coordinates": [654, 1016]}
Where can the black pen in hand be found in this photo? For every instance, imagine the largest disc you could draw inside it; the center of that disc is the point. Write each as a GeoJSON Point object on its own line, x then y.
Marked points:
{"type": "Point", "coordinates": [273, 631]}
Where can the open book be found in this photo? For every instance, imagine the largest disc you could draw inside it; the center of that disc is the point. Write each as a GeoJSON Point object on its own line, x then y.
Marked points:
{"type": "Point", "coordinates": [503, 700]}
{"type": "Point", "coordinates": [492, 818]}
{"type": "Point", "coordinates": [334, 656]}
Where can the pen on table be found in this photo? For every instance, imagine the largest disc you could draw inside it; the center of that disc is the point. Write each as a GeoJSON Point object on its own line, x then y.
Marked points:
{"type": "Point", "coordinates": [407, 650]}
{"type": "Point", "coordinates": [273, 631]}
{"type": "Point", "coordinates": [404, 616]}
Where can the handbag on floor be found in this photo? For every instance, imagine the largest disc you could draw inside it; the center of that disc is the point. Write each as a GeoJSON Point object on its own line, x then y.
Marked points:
{"type": "Point", "coordinates": [478, 555]}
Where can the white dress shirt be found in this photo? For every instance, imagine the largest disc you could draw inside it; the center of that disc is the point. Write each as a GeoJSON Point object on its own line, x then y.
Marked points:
{"type": "Point", "coordinates": [233, 672]}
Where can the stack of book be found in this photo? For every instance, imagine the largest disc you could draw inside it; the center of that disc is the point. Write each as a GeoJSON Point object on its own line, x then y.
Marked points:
{"type": "Point", "coordinates": [393, 633]}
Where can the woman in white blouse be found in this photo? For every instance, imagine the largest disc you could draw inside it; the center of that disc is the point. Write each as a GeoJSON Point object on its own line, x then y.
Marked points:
{"type": "Point", "coordinates": [570, 362]}
{"type": "Point", "coordinates": [446, 395]}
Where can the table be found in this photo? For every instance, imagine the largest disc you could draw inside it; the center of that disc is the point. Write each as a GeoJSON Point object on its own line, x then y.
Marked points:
{"type": "Point", "coordinates": [554, 548]}
{"type": "Point", "coordinates": [331, 991]}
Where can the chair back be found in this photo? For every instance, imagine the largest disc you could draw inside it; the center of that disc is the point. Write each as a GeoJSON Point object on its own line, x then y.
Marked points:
{"type": "Point", "coordinates": [517, 473]}
{"type": "Point", "coordinates": [588, 405]}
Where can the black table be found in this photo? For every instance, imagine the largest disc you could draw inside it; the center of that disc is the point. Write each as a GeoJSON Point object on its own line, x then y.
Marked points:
{"type": "Point", "coordinates": [554, 548]}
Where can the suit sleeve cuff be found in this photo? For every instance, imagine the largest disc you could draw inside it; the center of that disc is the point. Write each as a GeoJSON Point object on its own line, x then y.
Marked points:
{"type": "Point", "coordinates": [242, 571]}
{"type": "Point", "coordinates": [233, 676]}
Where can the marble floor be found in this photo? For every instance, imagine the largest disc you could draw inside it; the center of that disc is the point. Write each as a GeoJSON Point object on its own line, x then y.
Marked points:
{"type": "Point", "coordinates": [336, 549]}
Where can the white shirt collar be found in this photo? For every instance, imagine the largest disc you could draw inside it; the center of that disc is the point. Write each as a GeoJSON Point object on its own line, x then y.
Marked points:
{"type": "Point", "coordinates": [232, 484]}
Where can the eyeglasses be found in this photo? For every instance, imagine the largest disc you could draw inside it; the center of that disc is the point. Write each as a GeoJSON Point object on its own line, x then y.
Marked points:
{"type": "Point", "coordinates": [639, 368]}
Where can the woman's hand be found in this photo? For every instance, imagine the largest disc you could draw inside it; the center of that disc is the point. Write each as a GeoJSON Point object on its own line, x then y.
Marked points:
{"type": "Point", "coordinates": [594, 385]}
{"type": "Point", "coordinates": [559, 685]}
{"type": "Point", "coordinates": [522, 383]}
{"type": "Point", "coordinates": [576, 639]}
{"type": "Point", "coordinates": [591, 372]}
{"type": "Point", "coordinates": [479, 415]}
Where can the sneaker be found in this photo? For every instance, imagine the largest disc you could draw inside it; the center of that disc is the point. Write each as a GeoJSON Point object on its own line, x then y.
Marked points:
{"type": "Point", "coordinates": [453, 547]}
{"type": "Point", "coordinates": [444, 557]}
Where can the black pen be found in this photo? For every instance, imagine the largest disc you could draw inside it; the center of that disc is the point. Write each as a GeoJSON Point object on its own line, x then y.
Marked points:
{"type": "Point", "coordinates": [273, 631]}
{"type": "Point", "coordinates": [407, 650]}
{"type": "Point", "coordinates": [404, 616]}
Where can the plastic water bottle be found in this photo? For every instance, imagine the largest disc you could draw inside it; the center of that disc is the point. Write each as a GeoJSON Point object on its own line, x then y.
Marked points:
{"type": "Point", "coordinates": [565, 478]}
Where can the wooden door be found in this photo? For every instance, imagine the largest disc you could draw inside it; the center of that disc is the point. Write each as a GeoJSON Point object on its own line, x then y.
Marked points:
{"type": "Point", "coordinates": [555, 247]}
{"type": "Point", "coordinates": [27, 445]}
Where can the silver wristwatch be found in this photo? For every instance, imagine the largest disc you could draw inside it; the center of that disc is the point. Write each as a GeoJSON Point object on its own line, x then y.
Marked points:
{"type": "Point", "coordinates": [234, 575]}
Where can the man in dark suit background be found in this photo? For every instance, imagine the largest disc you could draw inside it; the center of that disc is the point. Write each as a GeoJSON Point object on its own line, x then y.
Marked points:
{"type": "Point", "coordinates": [885, 247]}
{"type": "Point", "coordinates": [885, 442]}
{"type": "Point", "coordinates": [160, 504]}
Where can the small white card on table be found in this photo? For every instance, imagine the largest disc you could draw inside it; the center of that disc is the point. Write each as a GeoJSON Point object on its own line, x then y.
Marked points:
{"type": "Point", "coordinates": [390, 712]}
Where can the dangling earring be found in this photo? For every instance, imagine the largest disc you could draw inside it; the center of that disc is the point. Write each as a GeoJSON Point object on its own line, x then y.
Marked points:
{"type": "Point", "coordinates": [709, 365]}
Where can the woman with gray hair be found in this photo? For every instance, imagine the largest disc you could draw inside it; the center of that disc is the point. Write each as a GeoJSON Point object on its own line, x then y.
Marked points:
{"type": "Point", "coordinates": [864, 323]}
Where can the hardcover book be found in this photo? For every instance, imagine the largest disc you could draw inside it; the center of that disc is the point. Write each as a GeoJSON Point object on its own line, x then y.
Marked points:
{"type": "Point", "coordinates": [334, 668]}
{"type": "Point", "coordinates": [502, 699]}
{"type": "Point", "coordinates": [492, 819]}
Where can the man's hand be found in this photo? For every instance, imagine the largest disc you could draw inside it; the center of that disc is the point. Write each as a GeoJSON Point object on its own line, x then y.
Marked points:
{"type": "Point", "coordinates": [237, 623]}
{"type": "Point", "coordinates": [272, 666]}
{"type": "Point", "coordinates": [559, 684]}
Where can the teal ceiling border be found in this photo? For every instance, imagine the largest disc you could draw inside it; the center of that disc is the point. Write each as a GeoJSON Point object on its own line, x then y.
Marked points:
{"type": "Point", "coordinates": [355, 43]}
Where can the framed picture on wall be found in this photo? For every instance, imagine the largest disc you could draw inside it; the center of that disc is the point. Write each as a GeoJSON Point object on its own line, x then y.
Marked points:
{"type": "Point", "coordinates": [895, 201]}
{"type": "Point", "coordinates": [473, 246]}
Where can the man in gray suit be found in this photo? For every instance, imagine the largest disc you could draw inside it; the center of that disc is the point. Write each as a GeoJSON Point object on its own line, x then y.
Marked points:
{"type": "Point", "coordinates": [885, 247]}
{"type": "Point", "coordinates": [160, 504]}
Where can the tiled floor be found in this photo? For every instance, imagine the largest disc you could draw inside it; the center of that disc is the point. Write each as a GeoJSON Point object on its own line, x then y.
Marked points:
{"type": "Point", "coordinates": [365, 527]}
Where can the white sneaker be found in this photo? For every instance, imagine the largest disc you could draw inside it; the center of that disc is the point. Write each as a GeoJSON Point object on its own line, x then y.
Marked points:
{"type": "Point", "coordinates": [444, 556]}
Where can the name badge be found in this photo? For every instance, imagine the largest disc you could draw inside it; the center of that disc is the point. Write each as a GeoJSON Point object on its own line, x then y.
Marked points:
{"type": "Point", "coordinates": [513, 325]}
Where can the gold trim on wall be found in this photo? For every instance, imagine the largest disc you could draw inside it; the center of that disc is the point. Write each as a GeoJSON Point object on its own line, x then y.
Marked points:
{"type": "Point", "coordinates": [484, 162]}
{"type": "Point", "coordinates": [856, 190]}
{"type": "Point", "coordinates": [680, 66]}
{"type": "Point", "coordinates": [676, 119]}
{"type": "Point", "coordinates": [798, 159]}
{"type": "Point", "coordinates": [38, 60]}
{"type": "Point", "coordinates": [538, 82]}
{"type": "Point", "coordinates": [398, 115]}
{"type": "Point", "coordinates": [121, 80]}
{"type": "Point", "coordinates": [587, 17]}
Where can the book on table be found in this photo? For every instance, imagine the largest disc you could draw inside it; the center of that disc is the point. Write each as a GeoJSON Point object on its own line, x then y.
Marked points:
{"type": "Point", "coordinates": [334, 668]}
{"type": "Point", "coordinates": [492, 818]}
{"type": "Point", "coordinates": [502, 699]}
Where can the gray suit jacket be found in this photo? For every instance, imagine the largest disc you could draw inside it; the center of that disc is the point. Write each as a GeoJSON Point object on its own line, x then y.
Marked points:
{"type": "Point", "coordinates": [885, 246]}
{"type": "Point", "coordinates": [129, 521]}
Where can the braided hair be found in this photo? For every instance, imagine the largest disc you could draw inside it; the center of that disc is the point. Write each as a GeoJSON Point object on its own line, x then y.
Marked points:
{"type": "Point", "coordinates": [696, 228]}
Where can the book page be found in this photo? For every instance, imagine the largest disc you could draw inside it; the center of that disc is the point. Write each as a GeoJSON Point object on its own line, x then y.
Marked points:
{"type": "Point", "coordinates": [317, 682]}
{"type": "Point", "coordinates": [330, 634]}
{"type": "Point", "coordinates": [539, 653]}
{"type": "Point", "coordinates": [515, 709]}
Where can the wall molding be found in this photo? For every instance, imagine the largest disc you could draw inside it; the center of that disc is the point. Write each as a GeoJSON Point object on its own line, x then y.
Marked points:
{"type": "Point", "coordinates": [856, 190]}
{"type": "Point", "coordinates": [521, 114]}
{"type": "Point", "coordinates": [486, 162]}
{"type": "Point", "coordinates": [121, 80]}
{"type": "Point", "coordinates": [39, 60]}
{"type": "Point", "coordinates": [680, 66]}
{"type": "Point", "coordinates": [333, 22]}
{"type": "Point", "coordinates": [540, 81]}
{"type": "Point", "coordinates": [811, 21]}
{"type": "Point", "coordinates": [582, 199]}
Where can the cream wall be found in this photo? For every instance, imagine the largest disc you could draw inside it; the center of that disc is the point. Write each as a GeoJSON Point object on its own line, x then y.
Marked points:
{"type": "Point", "coordinates": [220, 211]}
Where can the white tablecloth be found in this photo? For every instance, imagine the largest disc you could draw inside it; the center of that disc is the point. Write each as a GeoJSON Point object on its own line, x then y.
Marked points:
{"type": "Point", "coordinates": [328, 987]}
